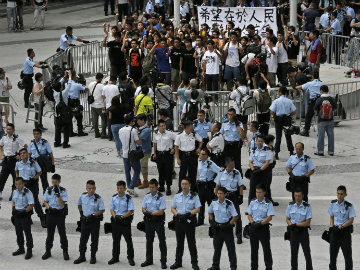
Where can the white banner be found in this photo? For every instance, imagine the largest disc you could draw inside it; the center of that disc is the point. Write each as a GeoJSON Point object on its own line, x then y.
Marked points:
{"type": "Point", "coordinates": [260, 17]}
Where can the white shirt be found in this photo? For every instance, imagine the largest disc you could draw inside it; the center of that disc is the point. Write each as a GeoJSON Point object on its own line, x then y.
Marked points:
{"type": "Point", "coordinates": [98, 100]}
{"type": "Point", "coordinates": [122, 2]}
{"type": "Point", "coordinates": [217, 143]}
{"type": "Point", "coordinates": [186, 142]}
{"type": "Point", "coordinates": [150, 94]}
{"type": "Point", "coordinates": [164, 141]}
{"type": "Point", "coordinates": [124, 135]}
{"type": "Point", "coordinates": [236, 96]}
{"type": "Point", "coordinates": [110, 91]}
{"type": "Point", "coordinates": [3, 85]}
{"type": "Point", "coordinates": [272, 60]}
{"type": "Point", "coordinates": [248, 58]}
{"type": "Point", "coordinates": [232, 58]}
{"type": "Point", "coordinates": [10, 147]}
{"type": "Point", "coordinates": [187, 106]}
{"type": "Point", "coordinates": [282, 54]}
{"type": "Point", "coordinates": [11, 4]}
{"type": "Point", "coordinates": [212, 63]}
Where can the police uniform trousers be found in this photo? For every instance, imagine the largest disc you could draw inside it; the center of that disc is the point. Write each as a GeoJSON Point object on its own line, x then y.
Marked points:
{"type": "Point", "coordinates": [188, 230]}
{"type": "Point", "coordinates": [206, 195]}
{"type": "Point", "coordinates": [188, 168]}
{"type": "Point", "coordinates": [60, 126]}
{"type": "Point", "coordinates": [297, 237]}
{"type": "Point", "coordinates": [54, 220]}
{"type": "Point", "coordinates": [44, 179]}
{"type": "Point", "coordinates": [278, 135]}
{"type": "Point", "coordinates": [8, 167]}
{"type": "Point", "coordinates": [220, 237]}
{"type": "Point", "coordinates": [164, 163]}
{"type": "Point", "coordinates": [309, 114]}
{"type": "Point", "coordinates": [28, 85]}
{"type": "Point", "coordinates": [257, 179]}
{"type": "Point", "coordinates": [303, 186]}
{"type": "Point", "coordinates": [233, 196]}
{"type": "Point", "coordinates": [340, 240]}
{"type": "Point", "coordinates": [150, 228]}
{"type": "Point", "coordinates": [34, 188]}
{"type": "Point", "coordinates": [233, 149]}
{"type": "Point", "coordinates": [118, 230]}
{"type": "Point", "coordinates": [261, 235]}
{"type": "Point", "coordinates": [264, 122]}
{"type": "Point", "coordinates": [23, 225]}
{"type": "Point", "coordinates": [88, 228]}
{"type": "Point", "coordinates": [218, 158]}
{"type": "Point", "coordinates": [75, 103]}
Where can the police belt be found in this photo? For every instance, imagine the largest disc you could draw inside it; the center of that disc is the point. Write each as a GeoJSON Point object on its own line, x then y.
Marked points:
{"type": "Point", "coordinates": [123, 221]}
{"type": "Point", "coordinates": [162, 152]}
{"type": "Point", "coordinates": [223, 226]}
{"type": "Point", "coordinates": [298, 229]}
{"type": "Point", "coordinates": [29, 75]}
{"type": "Point", "coordinates": [57, 212]}
{"type": "Point", "coordinates": [230, 143]}
{"type": "Point", "coordinates": [233, 195]}
{"type": "Point", "coordinates": [183, 220]}
{"type": "Point", "coordinates": [348, 229]}
{"type": "Point", "coordinates": [92, 219]}
{"type": "Point", "coordinates": [284, 120]}
{"type": "Point", "coordinates": [154, 218]}
{"type": "Point", "coordinates": [188, 153]}
{"type": "Point", "coordinates": [300, 179]}
{"type": "Point", "coordinates": [22, 214]}
{"type": "Point", "coordinates": [206, 184]}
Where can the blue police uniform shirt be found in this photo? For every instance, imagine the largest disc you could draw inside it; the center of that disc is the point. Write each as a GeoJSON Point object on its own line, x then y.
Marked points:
{"type": "Point", "coordinates": [207, 170]}
{"type": "Point", "coordinates": [341, 212]}
{"type": "Point", "coordinates": [253, 144]}
{"type": "Point", "coordinates": [90, 205]}
{"type": "Point", "coordinates": [185, 204]}
{"type": "Point", "coordinates": [145, 135]}
{"type": "Point", "coordinates": [324, 20]}
{"type": "Point", "coordinates": [230, 131]}
{"type": "Point", "coordinates": [121, 205]}
{"type": "Point", "coordinates": [202, 128]}
{"type": "Point", "coordinates": [159, 2]}
{"type": "Point", "coordinates": [22, 198]}
{"type": "Point", "coordinates": [260, 156]}
{"type": "Point", "coordinates": [302, 167]}
{"type": "Point", "coordinates": [43, 146]}
{"type": "Point", "coordinates": [27, 170]}
{"type": "Point", "coordinates": [153, 203]}
{"type": "Point", "coordinates": [223, 212]}
{"type": "Point", "coordinates": [65, 37]}
{"type": "Point", "coordinates": [75, 89]}
{"type": "Point", "coordinates": [52, 200]}
{"type": "Point", "coordinates": [149, 6]}
{"type": "Point", "coordinates": [260, 210]}
{"type": "Point", "coordinates": [298, 213]}
{"type": "Point", "coordinates": [350, 11]}
{"type": "Point", "coordinates": [336, 27]}
{"type": "Point", "coordinates": [231, 181]}
{"type": "Point", "coordinates": [282, 106]}
{"type": "Point", "coordinates": [340, 15]}
{"type": "Point", "coordinates": [28, 67]}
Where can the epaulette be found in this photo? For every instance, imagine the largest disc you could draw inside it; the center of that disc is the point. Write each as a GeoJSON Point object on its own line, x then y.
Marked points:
{"type": "Point", "coordinates": [347, 204]}
{"type": "Point", "coordinates": [334, 201]}
{"type": "Point", "coordinates": [43, 141]}
{"type": "Point", "coordinates": [292, 203]}
{"type": "Point", "coordinates": [306, 157]}
{"type": "Point", "coordinates": [237, 122]}
{"type": "Point", "coordinates": [195, 123]}
{"type": "Point", "coordinates": [148, 193]}
{"type": "Point", "coordinates": [208, 164]}
{"type": "Point", "coordinates": [26, 190]}
{"type": "Point", "coordinates": [128, 197]}
{"type": "Point", "coordinates": [267, 200]}
{"type": "Point", "coordinates": [62, 188]}
{"type": "Point", "coordinates": [49, 189]}
{"type": "Point", "coordinates": [306, 204]}
{"type": "Point", "coordinates": [267, 148]}
{"type": "Point", "coordinates": [193, 194]}
{"type": "Point", "coordinates": [114, 194]}
{"type": "Point", "coordinates": [97, 196]}
{"type": "Point", "coordinates": [228, 203]}
{"type": "Point", "coordinates": [84, 192]}
{"type": "Point", "coordinates": [159, 196]}
{"type": "Point", "coordinates": [15, 137]}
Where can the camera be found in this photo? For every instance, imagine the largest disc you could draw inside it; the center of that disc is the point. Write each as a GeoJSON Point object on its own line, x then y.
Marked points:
{"type": "Point", "coordinates": [291, 130]}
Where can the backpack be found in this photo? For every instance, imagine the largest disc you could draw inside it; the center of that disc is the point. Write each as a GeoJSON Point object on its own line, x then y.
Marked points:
{"type": "Point", "coordinates": [63, 111]}
{"type": "Point", "coordinates": [247, 103]}
{"type": "Point", "coordinates": [149, 63]}
{"type": "Point", "coordinates": [323, 56]}
{"type": "Point", "coordinates": [192, 109]}
{"type": "Point", "coordinates": [264, 101]}
{"type": "Point", "coordinates": [326, 110]}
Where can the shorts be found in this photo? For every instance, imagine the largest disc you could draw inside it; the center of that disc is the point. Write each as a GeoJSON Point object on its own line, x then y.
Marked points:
{"type": "Point", "coordinates": [5, 99]}
{"type": "Point", "coordinates": [272, 79]}
{"type": "Point", "coordinates": [231, 72]}
{"type": "Point", "coordinates": [175, 75]}
{"type": "Point", "coordinates": [242, 118]}
{"type": "Point", "coordinates": [144, 163]}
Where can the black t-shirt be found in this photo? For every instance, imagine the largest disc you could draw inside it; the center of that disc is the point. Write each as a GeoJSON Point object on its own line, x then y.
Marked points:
{"type": "Point", "coordinates": [301, 78]}
{"type": "Point", "coordinates": [175, 57]}
{"type": "Point", "coordinates": [116, 56]}
{"type": "Point", "coordinates": [117, 113]}
{"type": "Point", "coordinates": [188, 60]}
{"type": "Point", "coordinates": [293, 51]}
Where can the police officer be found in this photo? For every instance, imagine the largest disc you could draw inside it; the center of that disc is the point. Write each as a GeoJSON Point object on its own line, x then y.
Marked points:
{"type": "Point", "coordinates": [28, 73]}
{"type": "Point", "coordinates": [300, 167]}
{"type": "Point", "coordinates": [254, 128]}
{"type": "Point", "coordinates": [91, 208]}
{"type": "Point", "coordinates": [74, 103]}
{"type": "Point", "coordinates": [282, 109]}
{"type": "Point", "coordinates": [202, 126]}
{"type": "Point", "coordinates": [207, 173]}
{"type": "Point", "coordinates": [67, 39]}
{"type": "Point", "coordinates": [10, 143]}
{"type": "Point", "coordinates": [260, 213]}
{"type": "Point", "coordinates": [233, 132]}
{"type": "Point", "coordinates": [313, 89]}
{"type": "Point", "coordinates": [55, 199]}
{"type": "Point", "coordinates": [186, 152]}
{"type": "Point", "coordinates": [30, 171]}
{"type": "Point", "coordinates": [222, 216]}
{"type": "Point", "coordinates": [163, 154]}
{"type": "Point", "coordinates": [231, 179]}
{"type": "Point", "coordinates": [185, 205]}
{"type": "Point", "coordinates": [216, 145]}
{"type": "Point", "coordinates": [153, 208]}
{"type": "Point", "coordinates": [298, 217]}
{"type": "Point", "coordinates": [342, 214]}
{"type": "Point", "coordinates": [122, 213]}
{"type": "Point", "coordinates": [22, 205]}
{"type": "Point", "coordinates": [259, 161]}
{"type": "Point", "coordinates": [38, 148]}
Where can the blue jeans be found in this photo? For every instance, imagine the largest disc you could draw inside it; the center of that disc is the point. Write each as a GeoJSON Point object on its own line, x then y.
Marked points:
{"type": "Point", "coordinates": [130, 182]}
{"type": "Point", "coordinates": [115, 131]}
{"type": "Point", "coordinates": [231, 72]}
{"type": "Point", "coordinates": [328, 127]}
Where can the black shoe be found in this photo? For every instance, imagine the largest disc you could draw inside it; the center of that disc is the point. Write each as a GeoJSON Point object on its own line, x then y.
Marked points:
{"type": "Point", "coordinates": [97, 135]}
{"type": "Point", "coordinates": [304, 133]}
{"type": "Point", "coordinates": [131, 262]}
{"type": "Point", "coordinates": [93, 259]}
{"type": "Point", "coordinates": [176, 265]}
{"type": "Point", "coordinates": [195, 267]}
{"type": "Point", "coordinates": [82, 133]}
{"type": "Point", "coordinates": [28, 254]}
{"type": "Point", "coordinates": [168, 191]}
{"type": "Point", "coordinates": [66, 255]}
{"type": "Point", "coordinates": [277, 156]}
{"type": "Point", "coordinates": [113, 13]}
{"type": "Point", "coordinates": [104, 136]}
{"type": "Point", "coordinates": [199, 223]}
{"type": "Point", "coordinates": [318, 154]}
{"type": "Point", "coordinates": [163, 265]}
{"type": "Point", "coordinates": [161, 189]}
{"type": "Point", "coordinates": [239, 241]}
{"type": "Point", "coordinates": [106, 14]}
{"type": "Point", "coordinates": [66, 145]}
{"type": "Point", "coordinates": [146, 263]}
{"type": "Point", "coordinates": [46, 255]}
{"type": "Point", "coordinates": [73, 134]}
{"type": "Point", "coordinates": [57, 144]}
{"type": "Point", "coordinates": [275, 203]}
{"type": "Point", "coordinates": [43, 128]}
{"type": "Point", "coordinates": [20, 251]}
{"type": "Point", "coordinates": [81, 259]}
{"type": "Point", "coordinates": [113, 260]}
{"type": "Point", "coordinates": [43, 221]}
{"type": "Point", "coordinates": [331, 155]}
{"type": "Point", "coordinates": [213, 268]}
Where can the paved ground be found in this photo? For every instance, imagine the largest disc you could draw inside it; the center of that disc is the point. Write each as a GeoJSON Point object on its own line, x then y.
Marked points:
{"type": "Point", "coordinates": [99, 163]}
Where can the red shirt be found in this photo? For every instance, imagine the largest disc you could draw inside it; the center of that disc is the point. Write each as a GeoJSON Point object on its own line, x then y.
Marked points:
{"type": "Point", "coordinates": [314, 54]}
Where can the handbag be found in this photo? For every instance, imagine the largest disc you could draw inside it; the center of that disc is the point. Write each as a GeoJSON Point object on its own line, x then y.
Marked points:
{"type": "Point", "coordinates": [44, 160]}
{"type": "Point", "coordinates": [135, 155]}
{"type": "Point", "coordinates": [91, 98]}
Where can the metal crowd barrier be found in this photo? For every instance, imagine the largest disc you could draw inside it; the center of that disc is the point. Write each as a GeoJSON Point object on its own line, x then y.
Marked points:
{"type": "Point", "coordinates": [86, 108]}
